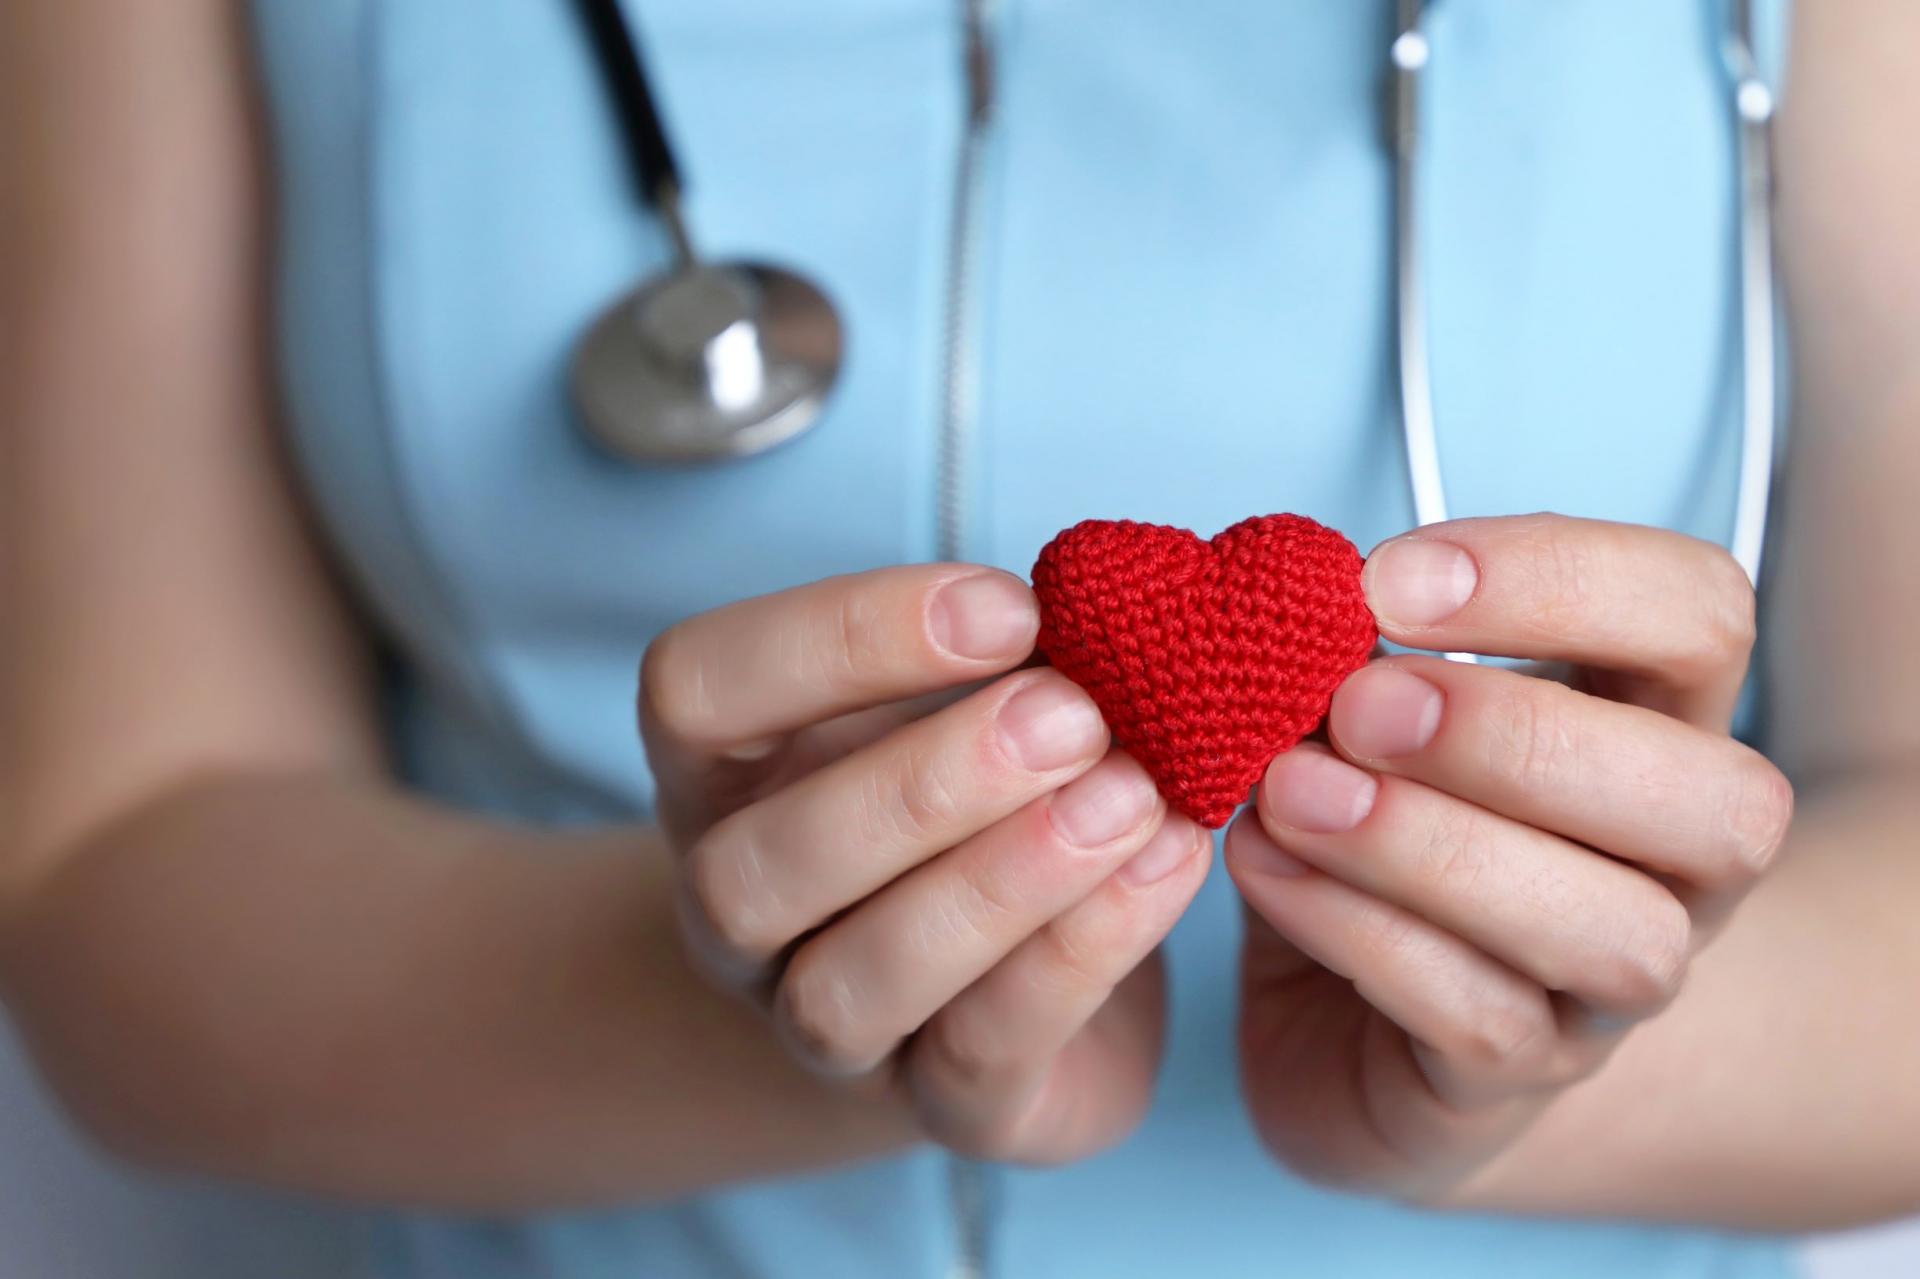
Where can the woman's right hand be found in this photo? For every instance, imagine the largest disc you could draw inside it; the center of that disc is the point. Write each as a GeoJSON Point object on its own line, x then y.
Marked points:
{"type": "Point", "coordinates": [956, 902]}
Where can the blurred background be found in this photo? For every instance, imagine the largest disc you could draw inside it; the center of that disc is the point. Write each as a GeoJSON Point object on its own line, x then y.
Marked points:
{"type": "Point", "coordinates": [66, 1213]}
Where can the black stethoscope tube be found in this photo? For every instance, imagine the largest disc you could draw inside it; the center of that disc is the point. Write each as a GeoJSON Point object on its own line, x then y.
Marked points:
{"type": "Point", "coordinates": [703, 360]}
{"type": "Point", "coordinates": [616, 47]}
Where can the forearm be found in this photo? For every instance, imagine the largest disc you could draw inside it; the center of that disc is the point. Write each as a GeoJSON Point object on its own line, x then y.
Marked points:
{"type": "Point", "coordinates": [1778, 1091]}
{"type": "Point", "coordinates": [327, 985]}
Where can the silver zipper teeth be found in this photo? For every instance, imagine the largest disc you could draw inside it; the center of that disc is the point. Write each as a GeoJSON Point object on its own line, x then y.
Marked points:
{"type": "Point", "coordinates": [966, 1180]}
{"type": "Point", "coordinates": [963, 234]}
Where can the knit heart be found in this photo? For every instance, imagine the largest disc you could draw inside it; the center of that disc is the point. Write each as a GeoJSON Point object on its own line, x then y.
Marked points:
{"type": "Point", "coordinates": [1207, 659]}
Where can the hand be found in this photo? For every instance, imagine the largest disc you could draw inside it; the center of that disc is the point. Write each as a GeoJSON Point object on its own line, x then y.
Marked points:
{"type": "Point", "coordinates": [950, 902]}
{"type": "Point", "coordinates": [1459, 909]}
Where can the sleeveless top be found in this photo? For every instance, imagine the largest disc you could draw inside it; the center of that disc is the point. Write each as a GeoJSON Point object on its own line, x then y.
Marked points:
{"type": "Point", "coordinates": [1179, 311]}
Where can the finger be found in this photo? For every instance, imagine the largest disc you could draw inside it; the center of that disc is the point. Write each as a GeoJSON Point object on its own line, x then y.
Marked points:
{"type": "Point", "coordinates": [853, 991]}
{"type": "Point", "coordinates": [828, 740]}
{"type": "Point", "coordinates": [1337, 1090]}
{"type": "Point", "coordinates": [1554, 912]}
{"type": "Point", "coordinates": [999, 1070]}
{"type": "Point", "coordinates": [1633, 783]}
{"type": "Point", "coordinates": [1670, 615]}
{"type": "Point", "coordinates": [773, 870]}
{"type": "Point", "coordinates": [720, 685]}
{"type": "Point", "coordinates": [1483, 1031]}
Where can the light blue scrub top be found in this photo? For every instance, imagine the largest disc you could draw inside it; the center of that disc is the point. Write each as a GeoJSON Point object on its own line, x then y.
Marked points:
{"type": "Point", "coordinates": [1184, 315]}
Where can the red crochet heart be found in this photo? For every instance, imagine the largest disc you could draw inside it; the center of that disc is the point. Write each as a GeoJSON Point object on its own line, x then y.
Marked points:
{"type": "Point", "coordinates": [1207, 658]}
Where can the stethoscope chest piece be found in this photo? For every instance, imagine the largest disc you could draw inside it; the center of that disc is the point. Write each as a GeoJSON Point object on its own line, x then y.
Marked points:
{"type": "Point", "coordinates": [706, 360]}
{"type": "Point", "coordinates": [710, 361]}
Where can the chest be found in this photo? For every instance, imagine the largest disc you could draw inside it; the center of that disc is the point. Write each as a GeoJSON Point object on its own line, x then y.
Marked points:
{"type": "Point", "coordinates": [1173, 302]}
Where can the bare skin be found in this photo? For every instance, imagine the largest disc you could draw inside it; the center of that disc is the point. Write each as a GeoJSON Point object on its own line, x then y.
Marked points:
{"type": "Point", "coordinates": [236, 945]}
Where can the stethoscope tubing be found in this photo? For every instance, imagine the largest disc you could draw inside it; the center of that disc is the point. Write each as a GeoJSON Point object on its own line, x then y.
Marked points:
{"type": "Point", "coordinates": [1754, 110]}
{"type": "Point", "coordinates": [656, 175]}
{"type": "Point", "coordinates": [1410, 54]}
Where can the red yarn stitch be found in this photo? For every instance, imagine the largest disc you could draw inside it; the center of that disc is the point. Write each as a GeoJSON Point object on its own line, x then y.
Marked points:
{"type": "Point", "coordinates": [1208, 659]}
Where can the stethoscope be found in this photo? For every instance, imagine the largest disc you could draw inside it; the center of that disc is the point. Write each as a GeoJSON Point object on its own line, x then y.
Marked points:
{"type": "Point", "coordinates": [707, 359]}
{"type": "Point", "coordinates": [717, 360]}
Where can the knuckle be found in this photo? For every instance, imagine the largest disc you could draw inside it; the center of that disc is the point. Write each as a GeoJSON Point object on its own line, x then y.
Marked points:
{"type": "Point", "coordinates": [1724, 633]}
{"type": "Point", "coordinates": [959, 1055]}
{"type": "Point", "coordinates": [920, 795]}
{"type": "Point", "coordinates": [1072, 960]}
{"type": "Point", "coordinates": [1453, 855]}
{"type": "Point", "coordinates": [963, 909]}
{"type": "Point", "coordinates": [1047, 1118]}
{"type": "Point", "coordinates": [1507, 1039]}
{"type": "Point", "coordinates": [1565, 1064]}
{"type": "Point", "coordinates": [988, 895]}
{"type": "Point", "coordinates": [813, 1007]}
{"type": "Point", "coordinates": [1762, 814]}
{"type": "Point", "coordinates": [1010, 1128]}
{"type": "Point", "coordinates": [1531, 736]}
{"type": "Point", "coordinates": [995, 1142]}
{"type": "Point", "coordinates": [1642, 974]}
{"type": "Point", "coordinates": [674, 693]}
{"type": "Point", "coordinates": [1563, 565]}
{"type": "Point", "coordinates": [1395, 940]}
{"type": "Point", "coordinates": [859, 641]}
{"type": "Point", "coordinates": [719, 889]}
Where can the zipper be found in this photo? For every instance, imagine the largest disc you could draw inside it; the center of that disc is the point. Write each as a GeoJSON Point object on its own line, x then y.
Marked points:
{"type": "Point", "coordinates": [967, 1180]}
{"type": "Point", "coordinates": [959, 373]}
{"type": "Point", "coordinates": [967, 1193]}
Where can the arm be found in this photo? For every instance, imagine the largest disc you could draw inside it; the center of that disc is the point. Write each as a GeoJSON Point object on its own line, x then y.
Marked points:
{"type": "Point", "coordinates": [1779, 1090]}
{"type": "Point", "coordinates": [236, 946]}
{"type": "Point", "coordinates": [308, 978]}
{"type": "Point", "coordinates": [233, 944]}
{"type": "Point", "coordinates": [1714, 1021]}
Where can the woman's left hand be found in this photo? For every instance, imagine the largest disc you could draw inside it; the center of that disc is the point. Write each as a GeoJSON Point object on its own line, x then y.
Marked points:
{"type": "Point", "coordinates": [1459, 910]}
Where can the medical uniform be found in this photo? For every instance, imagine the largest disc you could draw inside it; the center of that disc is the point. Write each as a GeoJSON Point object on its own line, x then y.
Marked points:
{"type": "Point", "coordinates": [1180, 312]}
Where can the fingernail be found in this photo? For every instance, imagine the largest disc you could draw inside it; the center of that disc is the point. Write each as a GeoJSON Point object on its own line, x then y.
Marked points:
{"type": "Point", "coordinates": [1165, 853]}
{"type": "Point", "coordinates": [1050, 724]}
{"type": "Point", "coordinates": [1384, 712]}
{"type": "Point", "coordinates": [1103, 805]}
{"type": "Point", "coordinates": [1255, 851]}
{"type": "Point", "coordinates": [984, 616]}
{"type": "Point", "coordinates": [1418, 581]}
{"type": "Point", "coordinates": [1319, 793]}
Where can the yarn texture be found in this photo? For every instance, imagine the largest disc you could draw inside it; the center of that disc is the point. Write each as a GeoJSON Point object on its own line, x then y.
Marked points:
{"type": "Point", "coordinates": [1207, 658]}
